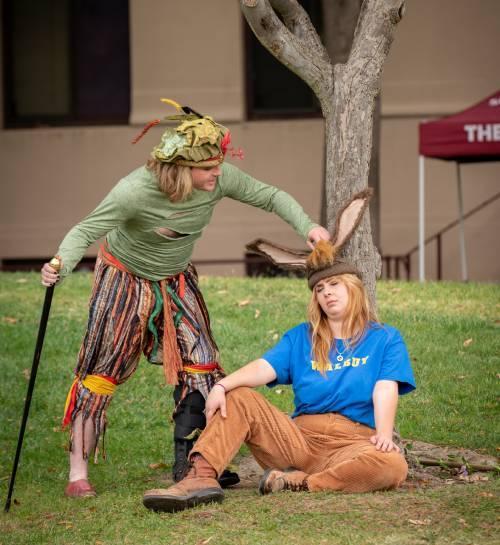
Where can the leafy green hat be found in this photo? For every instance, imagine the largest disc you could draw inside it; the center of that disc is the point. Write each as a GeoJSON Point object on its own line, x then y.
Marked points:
{"type": "Point", "coordinates": [196, 141]}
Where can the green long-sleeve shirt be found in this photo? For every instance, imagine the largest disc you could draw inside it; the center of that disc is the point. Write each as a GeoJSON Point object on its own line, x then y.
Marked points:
{"type": "Point", "coordinates": [134, 210]}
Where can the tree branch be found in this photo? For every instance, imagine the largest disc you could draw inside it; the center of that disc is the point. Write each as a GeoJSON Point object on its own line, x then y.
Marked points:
{"type": "Point", "coordinates": [372, 39]}
{"type": "Point", "coordinates": [294, 42]}
{"type": "Point", "coordinates": [297, 21]}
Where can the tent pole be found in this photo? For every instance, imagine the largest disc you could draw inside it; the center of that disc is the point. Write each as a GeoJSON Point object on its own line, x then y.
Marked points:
{"type": "Point", "coordinates": [421, 219]}
{"type": "Point", "coordinates": [461, 229]}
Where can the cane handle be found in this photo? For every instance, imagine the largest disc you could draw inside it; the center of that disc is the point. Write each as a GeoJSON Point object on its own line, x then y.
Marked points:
{"type": "Point", "coordinates": [55, 263]}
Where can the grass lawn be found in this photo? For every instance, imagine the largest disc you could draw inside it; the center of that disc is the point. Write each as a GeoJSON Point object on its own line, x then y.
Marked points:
{"type": "Point", "coordinates": [453, 335]}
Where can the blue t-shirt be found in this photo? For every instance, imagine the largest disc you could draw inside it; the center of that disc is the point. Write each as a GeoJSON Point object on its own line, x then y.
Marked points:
{"type": "Point", "coordinates": [347, 386]}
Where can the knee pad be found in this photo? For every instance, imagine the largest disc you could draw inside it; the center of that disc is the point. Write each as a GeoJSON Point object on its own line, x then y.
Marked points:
{"type": "Point", "coordinates": [189, 415]}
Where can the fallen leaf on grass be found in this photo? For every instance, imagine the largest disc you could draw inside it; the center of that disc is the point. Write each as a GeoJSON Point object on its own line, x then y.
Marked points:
{"type": "Point", "coordinates": [205, 514]}
{"type": "Point", "coordinates": [221, 292]}
{"type": "Point", "coordinates": [468, 342]}
{"type": "Point", "coordinates": [157, 465]}
{"type": "Point", "coordinates": [275, 337]}
{"type": "Point", "coordinates": [417, 522]}
{"type": "Point", "coordinates": [26, 373]}
{"type": "Point", "coordinates": [487, 494]}
{"type": "Point", "coordinates": [99, 542]}
{"type": "Point", "coordinates": [22, 281]}
{"type": "Point", "coordinates": [243, 303]}
{"type": "Point", "coordinates": [257, 313]}
{"type": "Point", "coordinates": [279, 391]}
{"type": "Point", "coordinates": [474, 478]}
{"type": "Point", "coordinates": [205, 541]}
{"type": "Point", "coordinates": [9, 319]}
{"type": "Point", "coordinates": [66, 523]}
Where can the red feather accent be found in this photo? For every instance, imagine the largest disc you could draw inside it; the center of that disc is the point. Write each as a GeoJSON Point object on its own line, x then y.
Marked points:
{"type": "Point", "coordinates": [145, 130]}
{"type": "Point", "coordinates": [226, 142]}
{"type": "Point", "coordinates": [224, 146]}
{"type": "Point", "coordinates": [237, 153]}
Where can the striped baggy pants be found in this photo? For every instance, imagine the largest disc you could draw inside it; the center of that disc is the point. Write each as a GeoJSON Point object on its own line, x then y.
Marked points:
{"type": "Point", "coordinates": [124, 321]}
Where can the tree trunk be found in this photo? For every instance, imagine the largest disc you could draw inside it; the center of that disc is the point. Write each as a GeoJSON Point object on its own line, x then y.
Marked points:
{"type": "Point", "coordinates": [374, 176]}
{"type": "Point", "coordinates": [340, 18]}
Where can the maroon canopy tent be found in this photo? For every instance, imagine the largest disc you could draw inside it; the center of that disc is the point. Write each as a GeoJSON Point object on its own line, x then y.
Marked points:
{"type": "Point", "coordinates": [472, 135]}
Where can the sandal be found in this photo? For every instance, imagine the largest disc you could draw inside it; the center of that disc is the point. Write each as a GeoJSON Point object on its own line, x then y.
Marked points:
{"type": "Point", "coordinates": [79, 489]}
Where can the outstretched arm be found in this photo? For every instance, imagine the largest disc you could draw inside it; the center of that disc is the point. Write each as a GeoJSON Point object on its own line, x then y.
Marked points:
{"type": "Point", "coordinates": [255, 373]}
{"type": "Point", "coordinates": [240, 186]}
{"type": "Point", "coordinates": [385, 402]}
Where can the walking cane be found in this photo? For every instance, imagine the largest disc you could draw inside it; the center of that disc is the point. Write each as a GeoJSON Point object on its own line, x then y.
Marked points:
{"type": "Point", "coordinates": [55, 264]}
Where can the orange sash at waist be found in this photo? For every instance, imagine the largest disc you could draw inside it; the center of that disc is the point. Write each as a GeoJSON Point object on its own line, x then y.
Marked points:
{"type": "Point", "coordinates": [110, 259]}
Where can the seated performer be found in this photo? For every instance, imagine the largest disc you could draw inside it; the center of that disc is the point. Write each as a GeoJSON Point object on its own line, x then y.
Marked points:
{"type": "Point", "coordinates": [146, 297]}
{"type": "Point", "coordinates": [346, 370]}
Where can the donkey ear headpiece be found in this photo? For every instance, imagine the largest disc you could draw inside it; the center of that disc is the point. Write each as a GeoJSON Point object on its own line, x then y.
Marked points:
{"type": "Point", "coordinates": [322, 262]}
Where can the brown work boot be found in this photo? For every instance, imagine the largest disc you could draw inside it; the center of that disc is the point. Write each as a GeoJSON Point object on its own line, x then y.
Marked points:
{"type": "Point", "coordinates": [198, 486]}
{"type": "Point", "coordinates": [275, 480]}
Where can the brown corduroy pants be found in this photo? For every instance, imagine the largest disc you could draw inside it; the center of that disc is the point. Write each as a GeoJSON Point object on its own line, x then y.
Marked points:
{"type": "Point", "coordinates": [334, 451]}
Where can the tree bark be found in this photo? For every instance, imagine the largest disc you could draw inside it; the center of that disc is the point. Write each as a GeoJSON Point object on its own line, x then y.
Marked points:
{"type": "Point", "coordinates": [340, 18]}
{"type": "Point", "coordinates": [347, 93]}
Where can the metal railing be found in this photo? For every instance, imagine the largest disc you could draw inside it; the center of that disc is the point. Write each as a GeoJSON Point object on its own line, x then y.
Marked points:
{"type": "Point", "coordinates": [394, 264]}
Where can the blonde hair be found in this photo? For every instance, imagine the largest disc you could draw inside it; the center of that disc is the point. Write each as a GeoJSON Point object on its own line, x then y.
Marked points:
{"type": "Point", "coordinates": [357, 316]}
{"type": "Point", "coordinates": [173, 180]}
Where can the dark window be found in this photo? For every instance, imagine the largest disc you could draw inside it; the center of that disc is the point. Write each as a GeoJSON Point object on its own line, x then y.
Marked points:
{"type": "Point", "coordinates": [273, 90]}
{"type": "Point", "coordinates": [66, 62]}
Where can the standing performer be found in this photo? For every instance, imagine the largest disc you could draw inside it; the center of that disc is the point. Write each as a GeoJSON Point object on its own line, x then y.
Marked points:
{"type": "Point", "coordinates": [145, 296]}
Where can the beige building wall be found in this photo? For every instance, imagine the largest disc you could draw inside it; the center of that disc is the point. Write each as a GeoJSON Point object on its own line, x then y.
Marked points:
{"type": "Point", "coordinates": [442, 60]}
{"type": "Point", "coordinates": [191, 51]}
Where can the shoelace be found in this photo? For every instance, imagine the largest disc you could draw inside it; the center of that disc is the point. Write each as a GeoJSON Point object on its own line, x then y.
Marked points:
{"type": "Point", "coordinates": [297, 487]}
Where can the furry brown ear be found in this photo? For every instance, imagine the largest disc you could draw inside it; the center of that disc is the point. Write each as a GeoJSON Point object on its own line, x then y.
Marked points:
{"type": "Point", "coordinates": [285, 258]}
{"type": "Point", "coordinates": [349, 217]}
{"type": "Point", "coordinates": [324, 254]}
